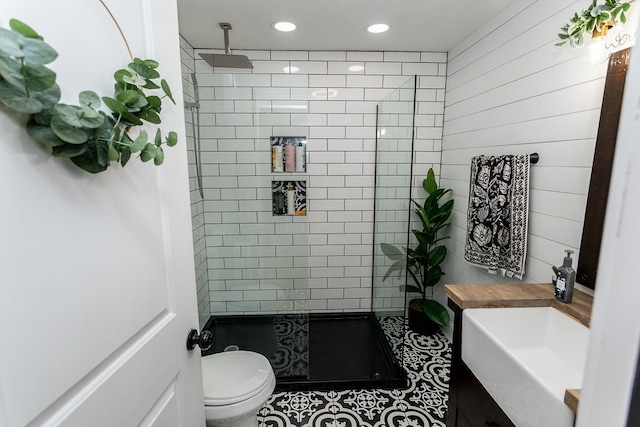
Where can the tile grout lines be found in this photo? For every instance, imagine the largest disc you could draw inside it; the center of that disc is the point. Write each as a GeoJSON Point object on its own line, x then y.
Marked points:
{"type": "Point", "coordinates": [427, 361]}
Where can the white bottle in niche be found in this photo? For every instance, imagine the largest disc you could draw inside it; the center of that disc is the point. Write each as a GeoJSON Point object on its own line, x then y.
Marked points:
{"type": "Point", "coordinates": [300, 157]}
{"type": "Point", "coordinates": [278, 158]}
{"type": "Point", "coordinates": [291, 200]}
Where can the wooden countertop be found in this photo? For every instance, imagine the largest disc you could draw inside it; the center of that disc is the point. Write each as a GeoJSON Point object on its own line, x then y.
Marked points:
{"type": "Point", "coordinates": [519, 295]}
{"type": "Point", "coordinates": [524, 295]}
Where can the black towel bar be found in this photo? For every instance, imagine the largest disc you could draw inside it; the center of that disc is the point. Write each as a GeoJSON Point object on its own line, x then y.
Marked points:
{"type": "Point", "coordinates": [533, 158]}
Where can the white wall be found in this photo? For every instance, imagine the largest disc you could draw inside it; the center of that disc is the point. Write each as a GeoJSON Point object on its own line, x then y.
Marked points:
{"type": "Point", "coordinates": [511, 91]}
{"type": "Point", "coordinates": [321, 262]}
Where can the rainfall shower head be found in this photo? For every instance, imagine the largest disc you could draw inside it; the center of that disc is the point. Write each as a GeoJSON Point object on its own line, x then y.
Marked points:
{"type": "Point", "coordinates": [226, 60]}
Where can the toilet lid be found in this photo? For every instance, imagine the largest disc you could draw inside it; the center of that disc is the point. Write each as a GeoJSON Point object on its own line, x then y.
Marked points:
{"type": "Point", "coordinates": [233, 376]}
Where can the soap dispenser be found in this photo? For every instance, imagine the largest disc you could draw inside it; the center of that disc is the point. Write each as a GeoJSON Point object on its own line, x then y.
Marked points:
{"type": "Point", "coordinates": [566, 277]}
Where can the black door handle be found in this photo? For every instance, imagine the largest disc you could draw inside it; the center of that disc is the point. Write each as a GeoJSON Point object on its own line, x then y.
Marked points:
{"type": "Point", "coordinates": [204, 339]}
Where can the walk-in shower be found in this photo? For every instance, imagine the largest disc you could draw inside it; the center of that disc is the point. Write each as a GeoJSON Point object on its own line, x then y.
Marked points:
{"type": "Point", "coordinates": [260, 285]}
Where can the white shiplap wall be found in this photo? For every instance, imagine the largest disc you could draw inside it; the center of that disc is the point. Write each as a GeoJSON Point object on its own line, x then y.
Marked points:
{"type": "Point", "coordinates": [197, 205]}
{"type": "Point", "coordinates": [321, 262]}
{"type": "Point", "coordinates": [510, 91]}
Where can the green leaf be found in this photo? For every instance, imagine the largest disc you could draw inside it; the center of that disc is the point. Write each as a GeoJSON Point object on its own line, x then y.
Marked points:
{"type": "Point", "coordinates": [43, 118]}
{"type": "Point", "coordinates": [150, 116]}
{"type": "Point", "coordinates": [129, 118]}
{"type": "Point", "coordinates": [167, 90]}
{"type": "Point", "coordinates": [70, 114]}
{"type": "Point", "coordinates": [49, 97]}
{"type": "Point", "coordinates": [429, 183]}
{"type": "Point", "coordinates": [17, 99]}
{"type": "Point", "coordinates": [43, 134]}
{"type": "Point", "coordinates": [436, 312]}
{"type": "Point", "coordinates": [37, 52]}
{"type": "Point", "coordinates": [434, 274]}
{"type": "Point", "coordinates": [139, 143]}
{"type": "Point", "coordinates": [148, 153]}
{"type": "Point", "coordinates": [134, 79]}
{"type": "Point", "coordinates": [89, 159]}
{"type": "Point", "coordinates": [115, 105]}
{"type": "Point", "coordinates": [68, 133]}
{"type": "Point", "coordinates": [151, 85]}
{"type": "Point", "coordinates": [151, 63]}
{"type": "Point", "coordinates": [38, 77]}
{"type": "Point", "coordinates": [128, 96]}
{"type": "Point", "coordinates": [139, 67]}
{"type": "Point", "coordinates": [437, 255]}
{"type": "Point", "coordinates": [102, 152]}
{"type": "Point", "coordinates": [158, 138]}
{"type": "Point", "coordinates": [11, 71]}
{"type": "Point", "coordinates": [114, 155]}
{"type": "Point", "coordinates": [155, 102]}
{"type": "Point", "coordinates": [92, 122]}
{"type": "Point", "coordinates": [120, 75]}
{"type": "Point", "coordinates": [159, 158]}
{"type": "Point", "coordinates": [23, 29]}
{"type": "Point", "coordinates": [10, 43]}
{"type": "Point", "coordinates": [125, 155]}
{"type": "Point", "coordinates": [69, 150]}
{"type": "Point", "coordinates": [90, 99]}
{"type": "Point", "coordinates": [392, 252]}
{"type": "Point", "coordinates": [172, 139]}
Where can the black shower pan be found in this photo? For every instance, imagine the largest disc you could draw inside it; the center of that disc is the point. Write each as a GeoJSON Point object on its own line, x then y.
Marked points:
{"type": "Point", "coordinates": [314, 352]}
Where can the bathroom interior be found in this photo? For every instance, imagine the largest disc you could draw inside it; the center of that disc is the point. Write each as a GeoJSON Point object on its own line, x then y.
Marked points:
{"type": "Point", "coordinates": [99, 268]}
{"type": "Point", "coordinates": [371, 123]}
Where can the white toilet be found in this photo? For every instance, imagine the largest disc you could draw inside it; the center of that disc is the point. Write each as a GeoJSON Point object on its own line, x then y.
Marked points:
{"type": "Point", "coordinates": [236, 386]}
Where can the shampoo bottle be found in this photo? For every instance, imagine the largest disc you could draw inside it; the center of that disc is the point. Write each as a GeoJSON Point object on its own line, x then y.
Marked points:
{"type": "Point", "coordinates": [291, 200]}
{"type": "Point", "coordinates": [277, 157]}
{"type": "Point", "coordinates": [290, 157]}
{"type": "Point", "coordinates": [300, 158]}
{"type": "Point", "coordinates": [566, 277]}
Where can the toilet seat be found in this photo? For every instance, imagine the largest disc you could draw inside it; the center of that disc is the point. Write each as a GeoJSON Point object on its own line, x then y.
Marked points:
{"type": "Point", "coordinates": [234, 376]}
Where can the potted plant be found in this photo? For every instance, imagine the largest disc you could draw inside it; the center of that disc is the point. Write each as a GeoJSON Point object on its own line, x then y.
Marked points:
{"type": "Point", "coordinates": [595, 20]}
{"type": "Point", "coordinates": [422, 262]}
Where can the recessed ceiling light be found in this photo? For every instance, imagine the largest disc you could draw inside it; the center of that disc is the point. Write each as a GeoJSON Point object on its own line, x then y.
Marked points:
{"type": "Point", "coordinates": [284, 26]}
{"type": "Point", "coordinates": [377, 28]}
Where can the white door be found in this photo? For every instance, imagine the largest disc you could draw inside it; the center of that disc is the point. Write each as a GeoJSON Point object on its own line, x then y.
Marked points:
{"type": "Point", "coordinates": [97, 287]}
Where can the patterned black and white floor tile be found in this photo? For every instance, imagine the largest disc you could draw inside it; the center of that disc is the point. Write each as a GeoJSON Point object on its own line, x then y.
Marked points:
{"type": "Point", "coordinates": [423, 404]}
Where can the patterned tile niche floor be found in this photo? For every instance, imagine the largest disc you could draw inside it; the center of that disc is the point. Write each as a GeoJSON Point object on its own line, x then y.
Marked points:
{"type": "Point", "coordinates": [427, 361]}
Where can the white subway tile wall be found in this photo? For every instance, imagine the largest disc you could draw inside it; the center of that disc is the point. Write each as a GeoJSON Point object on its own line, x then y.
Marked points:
{"type": "Point", "coordinates": [260, 263]}
{"type": "Point", "coordinates": [198, 219]}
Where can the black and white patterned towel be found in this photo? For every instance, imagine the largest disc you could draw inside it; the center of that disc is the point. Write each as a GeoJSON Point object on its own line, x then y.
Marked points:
{"type": "Point", "coordinates": [497, 218]}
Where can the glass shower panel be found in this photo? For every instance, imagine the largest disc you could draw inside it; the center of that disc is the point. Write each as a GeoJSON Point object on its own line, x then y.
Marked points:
{"type": "Point", "coordinates": [257, 266]}
{"type": "Point", "coordinates": [394, 154]}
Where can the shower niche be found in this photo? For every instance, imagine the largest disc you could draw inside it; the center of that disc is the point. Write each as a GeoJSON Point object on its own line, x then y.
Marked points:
{"type": "Point", "coordinates": [289, 197]}
{"type": "Point", "coordinates": [288, 154]}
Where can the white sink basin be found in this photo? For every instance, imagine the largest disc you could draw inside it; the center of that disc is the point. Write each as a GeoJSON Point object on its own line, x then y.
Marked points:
{"type": "Point", "coordinates": [526, 358]}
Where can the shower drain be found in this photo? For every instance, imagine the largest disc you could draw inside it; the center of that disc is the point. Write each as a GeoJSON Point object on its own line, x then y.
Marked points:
{"type": "Point", "coordinates": [232, 347]}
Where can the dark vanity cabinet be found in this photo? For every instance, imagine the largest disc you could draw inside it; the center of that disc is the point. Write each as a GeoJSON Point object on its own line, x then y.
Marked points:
{"type": "Point", "coordinates": [470, 405]}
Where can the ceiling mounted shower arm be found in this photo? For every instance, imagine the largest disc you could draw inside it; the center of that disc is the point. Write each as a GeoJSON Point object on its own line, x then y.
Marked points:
{"type": "Point", "coordinates": [226, 27]}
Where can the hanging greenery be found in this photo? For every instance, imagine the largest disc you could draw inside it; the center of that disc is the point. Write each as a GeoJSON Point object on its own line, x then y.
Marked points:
{"type": "Point", "coordinates": [594, 20]}
{"type": "Point", "coordinates": [89, 137]}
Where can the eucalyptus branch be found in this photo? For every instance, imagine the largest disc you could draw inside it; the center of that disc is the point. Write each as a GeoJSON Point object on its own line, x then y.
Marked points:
{"type": "Point", "coordinates": [81, 132]}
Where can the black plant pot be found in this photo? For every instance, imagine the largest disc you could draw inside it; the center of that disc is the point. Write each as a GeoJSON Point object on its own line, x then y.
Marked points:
{"type": "Point", "coordinates": [418, 321]}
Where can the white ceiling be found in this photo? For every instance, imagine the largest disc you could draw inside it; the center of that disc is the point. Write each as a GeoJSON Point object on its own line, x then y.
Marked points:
{"type": "Point", "coordinates": [415, 25]}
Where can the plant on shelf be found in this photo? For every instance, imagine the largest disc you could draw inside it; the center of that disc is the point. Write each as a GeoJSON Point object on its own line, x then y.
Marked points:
{"type": "Point", "coordinates": [422, 262]}
{"type": "Point", "coordinates": [594, 20]}
{"type": "Point", "coordinates": [89, 137]}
